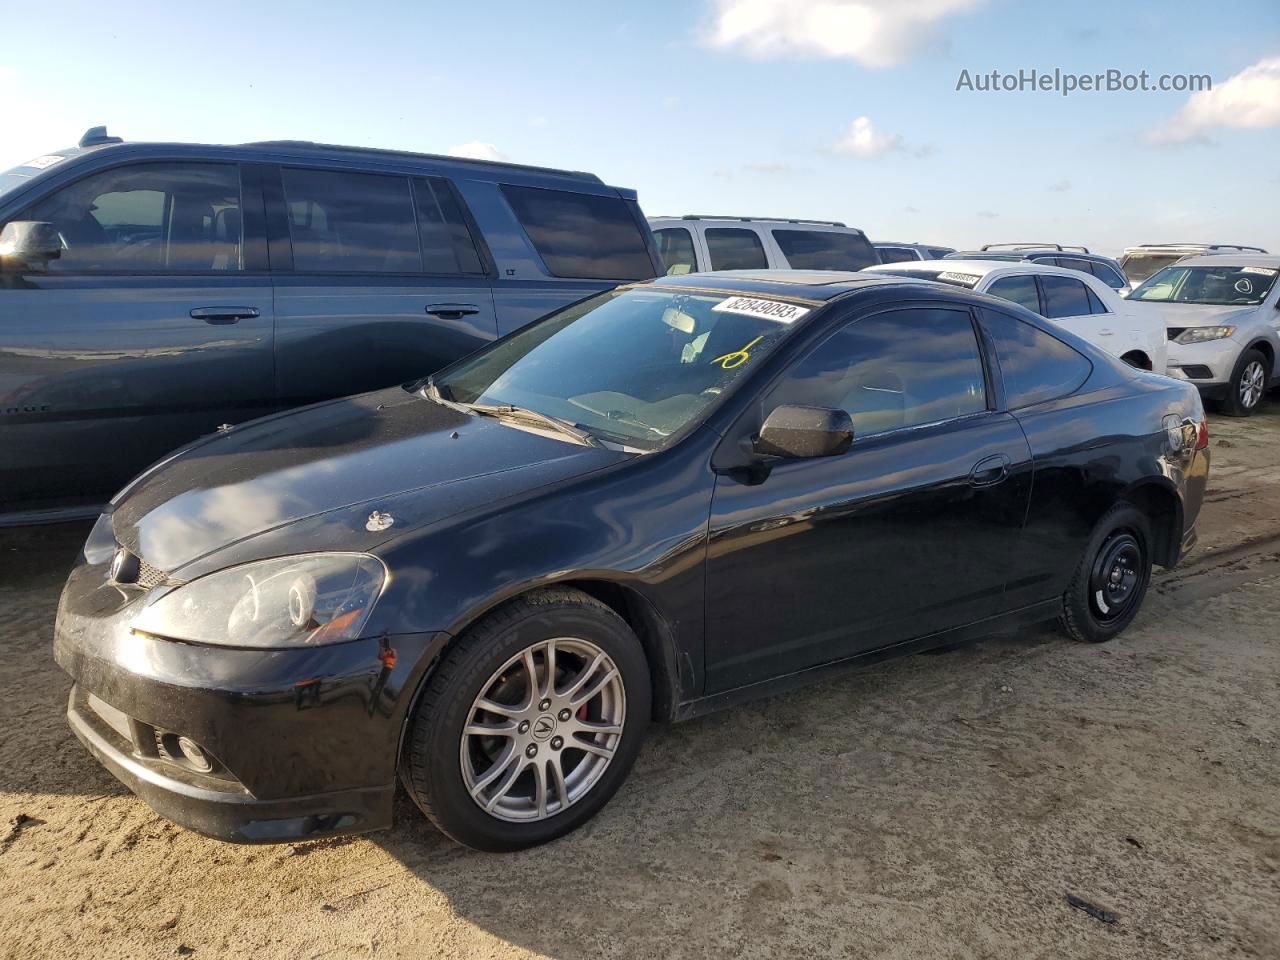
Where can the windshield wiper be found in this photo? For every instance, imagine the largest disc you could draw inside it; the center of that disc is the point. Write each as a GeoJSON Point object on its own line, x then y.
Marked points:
{"type": "Point", "coordinates": [509, 411]}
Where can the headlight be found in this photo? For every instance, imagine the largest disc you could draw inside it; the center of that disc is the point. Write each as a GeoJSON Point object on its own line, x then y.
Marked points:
{"type": "Point", "coordinates": [1201, 334]}
{"type": "Point", "coordinates": [102, 541]}
{"type": "Point", "coordinates": [287, 602]}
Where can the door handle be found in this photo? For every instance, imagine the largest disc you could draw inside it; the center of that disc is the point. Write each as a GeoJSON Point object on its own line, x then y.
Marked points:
{"type": "Point", "coordinates": [989, 471]}
{"type": "Point", "coordinates": [452, 311]}
{"type": "Point", "coordinates": [218, 315]}
{"type": "Point", "coordinates": [1106, 333]}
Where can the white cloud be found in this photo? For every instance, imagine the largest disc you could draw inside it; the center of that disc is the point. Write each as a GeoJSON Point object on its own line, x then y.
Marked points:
{"type": "Point", "coordinates": [875, 33]}
{"type": "Point", "coordinates": [863, 140]}
{"type": "Point", "coordinates": [477, 150]}
{"type": "Point", "coordinates": [1250, 99]}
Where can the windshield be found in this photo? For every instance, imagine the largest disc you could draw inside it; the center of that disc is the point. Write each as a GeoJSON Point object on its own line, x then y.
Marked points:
{"type": "Point", "coordinates": [634, 366]}
{"type": "Point", "coordinates": [20, 176]}
{"type": "Point", "coordinates": [1138, 266]}
{"type": "Point", "coordinates": [1222, 286]}
{"type": "Point", "coordinates": [11, 180]}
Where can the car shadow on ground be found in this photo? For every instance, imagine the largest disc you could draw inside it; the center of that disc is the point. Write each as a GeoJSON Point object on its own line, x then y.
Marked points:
{"type": "Point", "coordinates": [724, 817]}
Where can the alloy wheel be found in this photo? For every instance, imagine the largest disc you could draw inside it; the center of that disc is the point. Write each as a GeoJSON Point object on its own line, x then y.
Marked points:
{"type": "Point", "coordinates": [1252, 384]}
{"type": "Point", "coordinates": [543, 730]}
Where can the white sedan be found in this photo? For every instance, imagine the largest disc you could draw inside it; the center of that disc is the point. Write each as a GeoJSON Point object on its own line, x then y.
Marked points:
{"type": "Point", "coordinates": [1080, 302]}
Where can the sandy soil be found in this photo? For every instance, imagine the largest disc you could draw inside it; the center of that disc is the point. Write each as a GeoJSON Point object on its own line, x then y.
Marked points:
{"type": "Point", "coordinates": [938, 806]}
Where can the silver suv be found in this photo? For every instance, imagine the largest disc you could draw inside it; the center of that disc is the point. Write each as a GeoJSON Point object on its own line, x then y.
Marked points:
{"type": "Point", "coordinates": [1223, 317]}
{"type": "Point", "coordinates": [695, 244]}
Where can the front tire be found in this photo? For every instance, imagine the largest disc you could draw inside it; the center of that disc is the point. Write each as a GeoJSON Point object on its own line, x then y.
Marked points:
{"type": "Point", "coordinates": [1112, 578]}
{"type": "Point", "coordinates": [530, 723]}
{"type": "Point", "coordinates": [1248, 384]}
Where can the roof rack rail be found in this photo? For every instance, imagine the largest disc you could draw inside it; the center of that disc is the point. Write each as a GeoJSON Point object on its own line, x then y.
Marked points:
{"type": "Point", "coordinates": [707, 216]}
{"type": "Point", "coordinates": [1199, 246]}
{"type": "Point", "coordinates": [96, 137]}
{"type": "Point", "coordinates": [1024, 246]}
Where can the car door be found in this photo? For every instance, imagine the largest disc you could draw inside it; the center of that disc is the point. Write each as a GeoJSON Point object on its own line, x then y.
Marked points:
{"type": "Point", "coordinates": [908, 533]}
{"type": "Point", "coordinates": [378, 280]}
{"type": "Point", "coordinates": [153, 327]}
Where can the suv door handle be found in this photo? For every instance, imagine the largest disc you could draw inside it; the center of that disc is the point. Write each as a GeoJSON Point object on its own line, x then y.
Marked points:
{"type": "Point", "coordinates": [989, 471]}
{"type": "Point", "coordinates": [452, 311]}
{"type": "Point", "coordinates": [223, 314]}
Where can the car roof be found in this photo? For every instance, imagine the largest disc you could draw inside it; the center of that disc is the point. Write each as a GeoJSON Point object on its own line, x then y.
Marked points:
{"type": "Point", "coordinates": [814, 285]}
{"type": "Point", "coordinates": [1231, 259]}
{"type": "Point", "coordinates": [1038, 252]}
{"type": "Point", "coordinates": [773, 221]}
{"type": "Point", "coordinates": [285, 150]}
{"type": "Point", "coordinates": [978, 267]}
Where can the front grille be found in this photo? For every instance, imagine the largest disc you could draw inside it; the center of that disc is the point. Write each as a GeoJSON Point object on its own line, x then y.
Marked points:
{"type": "Point", "coordinates": [1175, 332]}
{"type": "Point", "coordinates": [149, 576]}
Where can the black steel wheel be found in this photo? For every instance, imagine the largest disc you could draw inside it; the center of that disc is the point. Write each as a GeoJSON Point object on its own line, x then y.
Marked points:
{"type": "Point", "coordinates": [1112, 578]}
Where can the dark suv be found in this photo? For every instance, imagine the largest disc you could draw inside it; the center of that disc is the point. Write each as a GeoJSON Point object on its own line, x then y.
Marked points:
{"type": "Point", "coordinates": [152, 292]}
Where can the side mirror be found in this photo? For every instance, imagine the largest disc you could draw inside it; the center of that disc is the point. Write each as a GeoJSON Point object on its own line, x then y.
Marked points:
{"type": "Point", "coordinates": [30, 242]}
{"type": "Point", "coordinates": [801, 432]}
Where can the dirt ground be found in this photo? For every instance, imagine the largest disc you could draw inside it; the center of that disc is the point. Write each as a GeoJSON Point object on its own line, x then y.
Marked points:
{"type": "Point", "coordinates": [937, 806]}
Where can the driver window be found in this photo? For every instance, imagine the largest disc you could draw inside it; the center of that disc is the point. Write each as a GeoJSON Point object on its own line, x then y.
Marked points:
{"type": "Point", "coordinates": [893, 370]}
{"type": "Point", "coordinates": [147, 218]}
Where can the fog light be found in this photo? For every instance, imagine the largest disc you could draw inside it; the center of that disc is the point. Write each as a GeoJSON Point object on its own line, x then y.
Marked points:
{"type": "Point", "coordinates": [194, 755]}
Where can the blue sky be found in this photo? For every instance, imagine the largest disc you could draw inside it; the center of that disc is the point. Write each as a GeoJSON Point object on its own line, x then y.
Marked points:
{"type": "Point", "coordinates": [714, 106]}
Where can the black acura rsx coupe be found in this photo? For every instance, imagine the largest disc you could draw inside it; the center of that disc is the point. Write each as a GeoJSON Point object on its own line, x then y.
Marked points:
{"type": "Point", "coordinates": [651, 504]}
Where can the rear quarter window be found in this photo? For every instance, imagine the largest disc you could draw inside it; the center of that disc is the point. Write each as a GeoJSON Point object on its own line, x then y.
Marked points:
{"type": "Point", "coordinates": [582, 235]}
{"type": "Point", "coordinates": [1035, 366]}
{"type": "Point", "coordinates": [826, 250]}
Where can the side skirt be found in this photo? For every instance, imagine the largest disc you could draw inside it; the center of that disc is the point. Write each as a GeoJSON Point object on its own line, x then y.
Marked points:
{"type": "Point", "coordinates": [1036, 613]}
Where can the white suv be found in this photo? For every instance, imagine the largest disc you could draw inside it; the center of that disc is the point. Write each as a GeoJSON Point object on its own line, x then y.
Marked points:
{"type": "Point", "coordinates": [696, 244]}
{"type": "Point", "coordinates": [1079, 301]}
{"type": "Point", "coordinates": [1223, 316]}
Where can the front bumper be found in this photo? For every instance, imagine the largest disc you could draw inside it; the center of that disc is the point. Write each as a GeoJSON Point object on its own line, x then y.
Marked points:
{"type": "Point", "coordinates": [302, 743]}
{"type": "Point", "coordinates": [1208, 365]}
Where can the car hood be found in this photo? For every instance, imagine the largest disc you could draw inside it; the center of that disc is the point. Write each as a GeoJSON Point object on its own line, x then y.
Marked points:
{"type": "Point", "coordinates": [390, 451]}
{"type": "Point", "coordinates": [1197, 314]}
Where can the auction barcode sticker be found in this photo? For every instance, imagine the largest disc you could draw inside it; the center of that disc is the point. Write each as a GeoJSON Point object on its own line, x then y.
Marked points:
{"type": "Point", "coordinates": [765, 309]}
{"type": "Point", "coordinates": [42, 163]}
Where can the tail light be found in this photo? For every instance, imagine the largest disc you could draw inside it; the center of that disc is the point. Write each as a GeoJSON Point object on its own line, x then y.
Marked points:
{"type": "Point", "coordinates": [1202, 434]}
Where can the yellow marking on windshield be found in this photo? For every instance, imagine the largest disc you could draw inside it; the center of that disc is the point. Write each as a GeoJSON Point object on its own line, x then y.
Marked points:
{"type": "Point", "coordinates": [736, 358]}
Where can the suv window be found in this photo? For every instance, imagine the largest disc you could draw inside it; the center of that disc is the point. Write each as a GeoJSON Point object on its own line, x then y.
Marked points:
{"type": "Point", "coordinates": [351, 222]}
{"type": "Point", "coordinates": [1035, 366]}
{"type": "Point", "coordinates": [582, 235]}
{"type": "Point", "coordinates": [892, 370]}
{"type": "Point", "coordinates": [825, 249]}
{"type": "Point", "coordinates": [1064, 297]}
{"type": "Point", "coordinates": [1019, 289]}
{"type": "Point", "coordinates": [675, 244]}
{"type": "Point", "coordinates": [147, 218]}
{"type": "Point", "coordinates": [1107, 274]}
{"type": "Point", "coordinates": [448, 246]}
{"type": "Point", "coordinates": [732, 248]}
{"type": "Point", "coordinates": [896, 254]}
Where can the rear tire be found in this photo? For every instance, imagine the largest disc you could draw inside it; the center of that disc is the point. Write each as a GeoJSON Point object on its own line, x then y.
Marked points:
{"type": "Point", "coordinates": [1111, 579]}
{"type": "Point", "coordinates": [563, 739]}
{"type": "Point", "coordinates": [1248, 386]}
